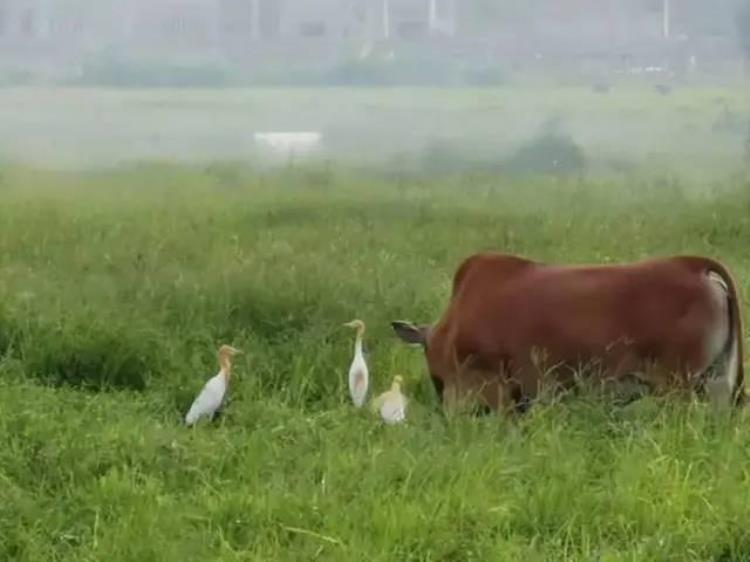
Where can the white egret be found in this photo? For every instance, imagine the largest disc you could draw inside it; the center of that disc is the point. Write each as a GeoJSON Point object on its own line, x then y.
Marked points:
{"type": "Point", "coordinates": [214, 391]}
{"type": "Point", "coordinates": [392, 403]}
{"type": "Point", "coordinates": [359, 376]}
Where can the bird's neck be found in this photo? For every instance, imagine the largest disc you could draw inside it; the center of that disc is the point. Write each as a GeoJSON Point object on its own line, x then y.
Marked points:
{"type": "Point", "coordinates": [226, 368]}
{"type": "Point", "coordinates": [358, 344]}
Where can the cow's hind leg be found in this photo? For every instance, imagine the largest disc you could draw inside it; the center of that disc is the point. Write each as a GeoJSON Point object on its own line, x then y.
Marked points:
{"type": "Point", "coordinates": [720, 373]}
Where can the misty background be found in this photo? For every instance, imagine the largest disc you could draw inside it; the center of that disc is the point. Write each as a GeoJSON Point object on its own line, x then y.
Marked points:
{"type": "Point", "coordinates": [409, 86]}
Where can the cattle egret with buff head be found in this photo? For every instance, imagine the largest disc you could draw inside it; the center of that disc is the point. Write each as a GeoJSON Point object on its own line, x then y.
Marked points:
{"type": "Point", "coordinates": [214, 392]}
{"type": "Point", "coordinates": [392, 403]}
{"type": "Point", "coordinates": [359, 376]}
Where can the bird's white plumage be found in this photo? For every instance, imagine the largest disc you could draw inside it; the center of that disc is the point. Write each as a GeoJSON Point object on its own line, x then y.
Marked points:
{"type": "Point", "coordinates": [209, 400]}
{"type": "Point", "coordinates": [359, 375]}
{"type": "Point", "coordinates": [392, 404]}
{"type": "Point", "coordinates": [393, 409]}
{"type": "Point", "coordinates": [214, 392]}
{"type": "Point", "coordinates": [358, 378]}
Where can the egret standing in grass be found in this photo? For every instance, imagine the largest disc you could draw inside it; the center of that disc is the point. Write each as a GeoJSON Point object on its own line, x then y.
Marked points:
{"type": "Point", "coordinates": [214, 392]}
{"type": "Point", "coordinates": [392, 403]}
{"type": "Point", "coordinates": [359, 376]}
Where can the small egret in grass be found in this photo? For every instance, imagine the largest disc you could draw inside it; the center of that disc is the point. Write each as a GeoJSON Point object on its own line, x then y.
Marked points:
{"type": "Point", "coordinates": [215, 390]}
{"type": "Point", "coordinates": [392, 403]}
{"type": "Point", "coordinates": [359, 376]}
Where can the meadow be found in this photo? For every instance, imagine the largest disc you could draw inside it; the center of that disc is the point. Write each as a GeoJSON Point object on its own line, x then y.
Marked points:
{"type": "Point", "coordinates": [694, 132]}
{"type": "Point", "coordinates": [117, 286]}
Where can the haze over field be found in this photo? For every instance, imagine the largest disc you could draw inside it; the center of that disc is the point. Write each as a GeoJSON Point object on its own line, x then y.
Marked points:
{"type": "Point", "coordinates": [654, 83]}
{"type": "Point", "coordinates": [692, 131]}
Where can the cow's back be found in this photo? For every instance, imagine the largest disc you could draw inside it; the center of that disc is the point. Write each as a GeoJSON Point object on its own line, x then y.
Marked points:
{"type": "Point", "coordinates": [504, 306]}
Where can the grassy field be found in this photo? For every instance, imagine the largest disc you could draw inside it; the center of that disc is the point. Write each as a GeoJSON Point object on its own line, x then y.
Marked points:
{"type": "Point", "coordinates": [696, 133]}
{"type": "Point", "coordinates": [117, 287]}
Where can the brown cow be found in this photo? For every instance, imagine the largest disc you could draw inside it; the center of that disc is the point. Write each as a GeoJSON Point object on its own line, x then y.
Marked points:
{"type": "Point", "coordinates": [512, 323]}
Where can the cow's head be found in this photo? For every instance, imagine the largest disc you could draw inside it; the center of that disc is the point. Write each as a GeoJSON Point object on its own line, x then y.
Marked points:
{"type": "Point", "coordinates": [418, 335]}
{"type": "Point", "coordinates": [411, 334]}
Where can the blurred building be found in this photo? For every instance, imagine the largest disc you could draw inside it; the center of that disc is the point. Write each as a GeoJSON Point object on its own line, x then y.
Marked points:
{"type": "Point", "coordinates": [217, 20]}
{"type": "Point", "coordinates": [250, 30]}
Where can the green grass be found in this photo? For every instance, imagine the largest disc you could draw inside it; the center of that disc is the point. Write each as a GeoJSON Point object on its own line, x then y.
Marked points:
{"type": "Point", "coordinates": [117, 287]}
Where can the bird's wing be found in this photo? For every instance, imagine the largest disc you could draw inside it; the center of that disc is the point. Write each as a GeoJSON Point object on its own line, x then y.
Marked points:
{"type": "Point", "coordinates": [357, 370]}
{"type": "Point", "coordinates": [358, 365]}
{"type": "Point", "coordinates": [358, 388]}
{"type": "Point", "coordinates": [358, 377]}
{"type": "Point", "coordinates": [208, 400]}
{"type": "Point", "coordinates": [360, 382]}
{"type": "Point", "coordinates": [394, 408]}
{"type": "Point", "coordinates": [358, 362]}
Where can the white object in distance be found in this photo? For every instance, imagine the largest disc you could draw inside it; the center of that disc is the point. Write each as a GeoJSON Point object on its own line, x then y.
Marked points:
{"type": "Point", "coordinates": [289, 142]}
{"type": "Point", "coordinates": [214, 391]}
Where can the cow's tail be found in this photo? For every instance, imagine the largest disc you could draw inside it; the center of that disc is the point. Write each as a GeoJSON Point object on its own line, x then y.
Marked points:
{"type": "Point", "coordinates": [730, 366]}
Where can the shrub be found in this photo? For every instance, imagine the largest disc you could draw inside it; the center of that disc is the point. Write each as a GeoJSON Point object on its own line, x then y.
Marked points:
{"type": "Point", "coordinates": [552, 152]}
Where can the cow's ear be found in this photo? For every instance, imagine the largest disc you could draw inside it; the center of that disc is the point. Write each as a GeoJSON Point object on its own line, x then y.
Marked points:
{"type": "Point", "coordinates": [409, 333]}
